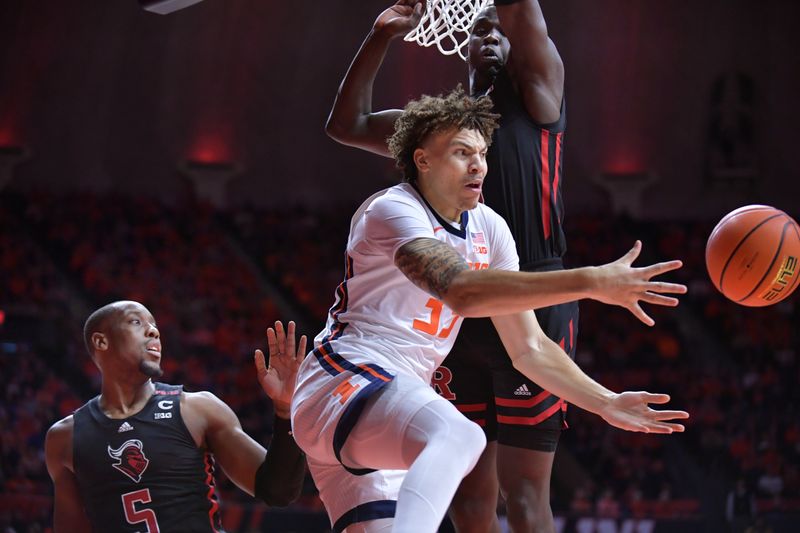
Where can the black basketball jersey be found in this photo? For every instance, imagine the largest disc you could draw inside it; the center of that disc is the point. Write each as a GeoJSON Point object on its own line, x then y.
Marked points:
{"type": "Point", "coordinates": [524, 180]}
{"type": "Point", "coordinates": [144, 473]}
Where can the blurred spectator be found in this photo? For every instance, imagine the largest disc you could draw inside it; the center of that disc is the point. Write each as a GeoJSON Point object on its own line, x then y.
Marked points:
{"type": "Point", "coordinates": [111, 247]}
{"type": "Point", "coordinates": [740, 507]}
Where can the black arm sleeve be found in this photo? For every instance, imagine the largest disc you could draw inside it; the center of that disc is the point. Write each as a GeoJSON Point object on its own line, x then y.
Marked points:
{"type": "Point", "coordinates": [279, 479]}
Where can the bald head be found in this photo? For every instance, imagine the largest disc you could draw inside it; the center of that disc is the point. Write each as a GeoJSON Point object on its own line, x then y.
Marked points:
{"type": "Point", "coordinates": [98, 321]}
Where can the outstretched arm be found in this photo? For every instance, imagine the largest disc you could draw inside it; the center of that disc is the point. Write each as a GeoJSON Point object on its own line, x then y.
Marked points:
{"type": "Point", "coordinates": [436, 268]}
{"type": "Point", "coordinates": [534, 63]}
{"type": "Point", "coordinates": [542, 361]}
{"type": "Point", "coordinates": [352, 120]}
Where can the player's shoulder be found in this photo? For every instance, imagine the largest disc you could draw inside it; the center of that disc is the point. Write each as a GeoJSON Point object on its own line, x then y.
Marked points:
{"type": "Point", "coordinates": [509, 96]}
{"type": "Point", "coordinates": [365, 205]}
{"type": "Point", "coordinates": [60, 433]}
{"type": "Point", "coordinates": [400, 200]}
{"type": "Point", "coordinates": [65, 425]}
{"type": "Point", "coordinates": [203, 403]}
{"type": "Point", "coordinates": [400, 194]}
{"type": "Point", "coordinates": [201, 398]}
{"type": "Point", "coordinates": [58, 446]}
{"type": "Point", "coordinates": [203, 411]}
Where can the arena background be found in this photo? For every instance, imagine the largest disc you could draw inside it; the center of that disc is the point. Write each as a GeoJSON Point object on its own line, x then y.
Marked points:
{"type": "Point", "coordinates": [181, 160]}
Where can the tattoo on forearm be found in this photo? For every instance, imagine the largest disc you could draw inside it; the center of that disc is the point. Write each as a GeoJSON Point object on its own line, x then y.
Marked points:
{"type": "Point", "coordinates": [430, 264]}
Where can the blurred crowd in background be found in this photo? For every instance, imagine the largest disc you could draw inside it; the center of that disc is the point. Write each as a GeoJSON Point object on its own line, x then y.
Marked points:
{"type": "Point", "coordinates": [215, 280]}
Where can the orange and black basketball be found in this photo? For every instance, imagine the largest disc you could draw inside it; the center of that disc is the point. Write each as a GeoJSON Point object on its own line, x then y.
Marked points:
{"type": "Point", "coordinates": [752, 255]}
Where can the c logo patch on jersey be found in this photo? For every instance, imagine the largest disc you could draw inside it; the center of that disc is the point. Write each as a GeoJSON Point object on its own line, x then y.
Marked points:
{"type": "Point", "coordinates": [131, 459]}
{"type": "Point", "coordinates": [165, 404]}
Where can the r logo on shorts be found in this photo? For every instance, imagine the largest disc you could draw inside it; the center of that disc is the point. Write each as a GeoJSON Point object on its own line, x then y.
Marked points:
{"type": "Point", "coordinates": [442, 377]}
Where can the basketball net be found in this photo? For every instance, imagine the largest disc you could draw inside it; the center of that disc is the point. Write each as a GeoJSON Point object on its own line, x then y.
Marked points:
{"type": "Point", "coordinates": [446, 24]}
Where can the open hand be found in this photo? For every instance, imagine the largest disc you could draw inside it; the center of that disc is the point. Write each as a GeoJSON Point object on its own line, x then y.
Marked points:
{"type": "Point", "coordinates": [401, 18]}
{"type": "Point", "coordinates": [630, 411]}
{"type": "Point", "coordinates": [624, 285]}
{"type": "Point", "coordinates": [278, 380]}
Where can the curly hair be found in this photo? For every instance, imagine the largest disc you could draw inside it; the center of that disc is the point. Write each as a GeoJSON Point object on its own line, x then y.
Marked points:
{"type": "Point", "coordinates": [435, 114]}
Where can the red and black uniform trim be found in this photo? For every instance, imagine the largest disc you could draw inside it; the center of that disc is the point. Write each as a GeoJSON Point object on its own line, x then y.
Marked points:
{"type": "Point", "coordinates": [524, 181]}
{"type": "Point", "coordinates": [524, 185]}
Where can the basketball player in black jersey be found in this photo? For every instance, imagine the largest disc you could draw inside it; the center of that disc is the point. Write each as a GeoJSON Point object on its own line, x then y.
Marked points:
{"type": "Point", "coordinates": [141, 455]}
{"type": "Point", "coordinates": [513, 60]}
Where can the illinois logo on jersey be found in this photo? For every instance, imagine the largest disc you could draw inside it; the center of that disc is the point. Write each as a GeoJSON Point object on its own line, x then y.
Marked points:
{"type": "Point", "coordinates": [131, 459]}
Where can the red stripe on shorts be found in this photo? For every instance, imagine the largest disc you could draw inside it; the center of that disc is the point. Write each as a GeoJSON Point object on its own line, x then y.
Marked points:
{"type": "Point", "coordinates": [531, 420]}
{"type": "Point", "coordinates": [471, 407]}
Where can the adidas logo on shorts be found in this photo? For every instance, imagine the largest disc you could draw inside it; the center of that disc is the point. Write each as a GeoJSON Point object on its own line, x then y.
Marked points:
{"type": "Point", "coordinates": [522, 391]}
{"type": "Point", "coordinates": [124, 427]}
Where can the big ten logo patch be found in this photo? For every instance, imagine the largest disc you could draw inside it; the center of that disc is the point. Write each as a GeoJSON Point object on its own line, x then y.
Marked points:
{"type": "Point", "coordinates": [442, 377]}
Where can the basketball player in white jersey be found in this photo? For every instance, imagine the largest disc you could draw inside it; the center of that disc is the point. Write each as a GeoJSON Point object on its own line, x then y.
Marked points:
{"type": "Point", "coordinates": [386, 451]}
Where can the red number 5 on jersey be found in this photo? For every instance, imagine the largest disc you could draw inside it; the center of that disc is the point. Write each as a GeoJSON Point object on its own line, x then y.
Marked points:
{"type": "Point", "coordinates": [134, 516]}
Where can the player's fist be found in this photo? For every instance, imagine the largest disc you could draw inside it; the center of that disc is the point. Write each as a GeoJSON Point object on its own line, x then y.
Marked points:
{"type": "Point", "coordinates": [401, 18]}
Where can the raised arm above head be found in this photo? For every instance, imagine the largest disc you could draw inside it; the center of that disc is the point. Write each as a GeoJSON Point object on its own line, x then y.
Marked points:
{"type": "Point", "coordinates": [534, 63]}
{"type": "Point", "coordinates": [352, 120]}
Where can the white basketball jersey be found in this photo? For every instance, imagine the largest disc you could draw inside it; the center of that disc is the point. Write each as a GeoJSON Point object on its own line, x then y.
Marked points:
{"type": "Point", "coordinates": [380, 317]}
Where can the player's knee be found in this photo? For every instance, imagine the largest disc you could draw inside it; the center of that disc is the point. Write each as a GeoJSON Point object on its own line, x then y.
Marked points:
{"type": "Point", "coordinates": [441, 429]}
{"type": "Point", "coordinates": [461, 441]}
{"type": "Point", "coordinates": [529, 500]}
{"type": "Point", "coordinates": [468, 438]}
{"type": "Point", "coordinates": [529, 509]}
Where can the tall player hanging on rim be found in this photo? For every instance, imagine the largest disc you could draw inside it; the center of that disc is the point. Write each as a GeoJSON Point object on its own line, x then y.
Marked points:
{"type": "Point", "coordinates": [513, 60]}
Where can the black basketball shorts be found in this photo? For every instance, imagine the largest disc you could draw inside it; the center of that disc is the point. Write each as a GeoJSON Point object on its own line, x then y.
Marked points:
{"type": "Point", "coordinates": [480, 380]}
